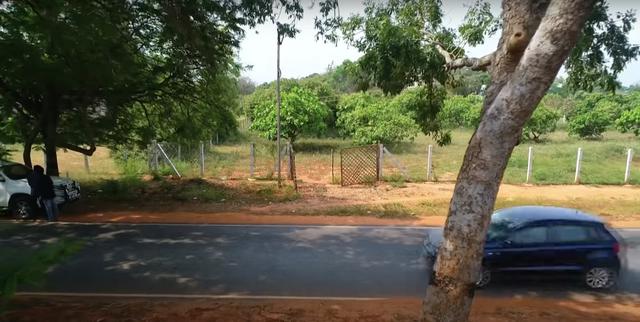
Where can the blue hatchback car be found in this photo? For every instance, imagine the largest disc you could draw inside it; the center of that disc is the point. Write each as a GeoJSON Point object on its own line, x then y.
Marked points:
{"type": "Point", "coordinates": [548, 240]}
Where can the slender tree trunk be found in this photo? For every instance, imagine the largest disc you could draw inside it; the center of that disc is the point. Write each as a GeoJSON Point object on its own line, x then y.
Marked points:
{"type": "Point", "coordinates": [49, 133]}
{"type": "Point", "coordinates": [26, 153]}
{"type": "Point", "coordinates": [509, 104]}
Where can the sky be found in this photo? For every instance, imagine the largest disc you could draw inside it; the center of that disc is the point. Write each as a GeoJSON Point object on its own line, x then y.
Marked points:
{"type": "Point", "coordinates": [304, 55]}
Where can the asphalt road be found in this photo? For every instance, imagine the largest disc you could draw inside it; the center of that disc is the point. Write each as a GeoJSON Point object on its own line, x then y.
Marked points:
{"type": "Point", "coordinates": [305, 261]}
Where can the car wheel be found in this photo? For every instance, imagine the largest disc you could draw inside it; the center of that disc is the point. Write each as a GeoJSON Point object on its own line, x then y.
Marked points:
{"type": "Point", "coordinates": [484, 279]}
{"type": "Point", "coordinates": [22, 207]}
{"type": "Point", "coordinates": [601, 278]}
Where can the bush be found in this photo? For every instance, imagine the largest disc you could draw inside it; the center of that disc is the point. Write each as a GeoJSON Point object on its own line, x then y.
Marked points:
{"type": "Point", "coordinates": [461, 111]}
{"type": "Point", "coordinates": [629, 121]}
{"type": "Point", "coordinates": [542, 121]}
{"type": "Point", "coordinates": [372, 119]}
{"type": "Point", "coordinates": [594, 113]}
{"type": "Point", "coordinates": [589, 125]}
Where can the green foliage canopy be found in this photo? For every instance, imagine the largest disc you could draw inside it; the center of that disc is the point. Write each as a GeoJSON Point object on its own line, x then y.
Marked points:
{"type": "Point", "coordinates": [372, 118]}
{"type": "Point", "coordinates": [302, 112]}
{"type": "Point", "coordinates": [629, 121]}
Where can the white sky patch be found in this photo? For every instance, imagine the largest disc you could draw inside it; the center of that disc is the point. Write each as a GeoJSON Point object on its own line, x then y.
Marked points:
{"type": "Point", "coordinates": [304, 55]}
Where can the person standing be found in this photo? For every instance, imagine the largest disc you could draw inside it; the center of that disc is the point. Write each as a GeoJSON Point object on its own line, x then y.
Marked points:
{"type": "Point", "coordinates": [42, 190]}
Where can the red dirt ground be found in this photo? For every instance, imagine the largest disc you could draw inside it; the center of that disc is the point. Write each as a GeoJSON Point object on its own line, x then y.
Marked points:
{"type": "Point", "coordinates": [488, 309]}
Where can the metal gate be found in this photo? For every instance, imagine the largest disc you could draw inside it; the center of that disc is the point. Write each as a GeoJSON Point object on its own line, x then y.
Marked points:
{"type": "Point", "coordinates": [360, 165]}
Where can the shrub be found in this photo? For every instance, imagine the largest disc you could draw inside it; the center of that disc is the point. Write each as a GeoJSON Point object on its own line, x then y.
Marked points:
{"type": "Point", "coordinates": [589, 125]}
{"type": "Point", "coordinates": [629, 121]}
{"type": "Point", "coordinates": [461, 111]}
{"type": "Point", "coordinates": [542, 121]}
{"type": "Point", "coordinates": [372, 119]}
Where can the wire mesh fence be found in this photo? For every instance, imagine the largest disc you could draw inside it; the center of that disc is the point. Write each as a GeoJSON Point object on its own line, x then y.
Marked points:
{"type": "Point", "coordinates": [536, 165]}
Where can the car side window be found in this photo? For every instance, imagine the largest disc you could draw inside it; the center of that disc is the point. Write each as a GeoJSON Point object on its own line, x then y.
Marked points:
{"type": "Point", "coordinates": [16, 171]}
{"type": "Point", "coordinates": [530, 235]}
{"type": "Point", "coordinates": [573, 234]}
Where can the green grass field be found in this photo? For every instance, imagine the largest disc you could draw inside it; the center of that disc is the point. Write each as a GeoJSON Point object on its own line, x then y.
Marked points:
{"type": "Point", "coordinates": [553, 161]}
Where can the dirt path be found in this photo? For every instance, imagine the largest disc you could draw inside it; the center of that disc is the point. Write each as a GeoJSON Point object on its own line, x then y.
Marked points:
{"type": "Point", "coordinates": [528, 309]}
{"type": "Point", "coordinates": [423, 204]}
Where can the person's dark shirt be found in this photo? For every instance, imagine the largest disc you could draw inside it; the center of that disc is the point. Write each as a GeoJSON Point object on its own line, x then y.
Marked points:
{"type": "Point", "coordinates": [41, 186]}
{"type": "Point", "coordinates": [31, 179]}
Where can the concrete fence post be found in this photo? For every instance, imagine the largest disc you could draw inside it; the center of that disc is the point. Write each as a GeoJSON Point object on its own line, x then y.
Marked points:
{"type": "Point", "coordinates": [380, 160]}
{"type": "Point", "coordinates": [252, 159]}
{"type": "Point", "coordinates": [201, 159]}
{"type": "Point", "coordinates": [429, 161]}
{"type": "Point", "coordinates": [155, 155]}
{"type": "Point", "coordinates": [287, 153]}
{"type": "Point", "coordinates": [333, 178]}
{"type": "Point", "coordinates": [86, 163]}
{"type": "Point", "coordinates": [627, 171]}
{"type": "Point", "coordinates": [529, 164]}
{"type": "Point", "coordinates": [578, 165]}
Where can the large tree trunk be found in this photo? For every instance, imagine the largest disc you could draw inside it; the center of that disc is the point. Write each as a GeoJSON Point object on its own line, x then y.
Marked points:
{"type": "Point", "coordinates": [530, 54]}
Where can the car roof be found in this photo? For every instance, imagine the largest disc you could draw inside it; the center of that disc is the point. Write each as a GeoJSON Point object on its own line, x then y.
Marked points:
{"type": "Point", "coordinates": [528, 214]}
{"type": "Point", "coordinates": [5, 162]}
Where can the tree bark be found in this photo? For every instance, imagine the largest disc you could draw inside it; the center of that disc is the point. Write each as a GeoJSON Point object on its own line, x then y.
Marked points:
{"type": "Point", "coordinates": [26, 154]}
{"type": "Point", "coordinates": [520, 78]}
{"type": "Point", "coordinates": [49, 134]}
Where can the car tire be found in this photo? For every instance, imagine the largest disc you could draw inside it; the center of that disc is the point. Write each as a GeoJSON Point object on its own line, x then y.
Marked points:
{"type": "Point", "coordinates": [601, 278]}
{"type": "Point", "coordinates": [485, 278]}
{"type": "Point", "coordinates": [22, 207]}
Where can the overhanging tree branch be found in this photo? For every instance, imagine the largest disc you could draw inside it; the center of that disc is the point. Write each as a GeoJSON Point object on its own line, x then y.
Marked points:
{"type": "Point", "coordinates": [473, 63]}
{"type": "Point", "coordinates": [85, 151]}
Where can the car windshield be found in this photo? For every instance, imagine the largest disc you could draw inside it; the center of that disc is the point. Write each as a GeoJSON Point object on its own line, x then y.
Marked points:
{"type": "Point", "coordinates": [500, 227]}
{"type": "Point", "coordinates": [16, 171]}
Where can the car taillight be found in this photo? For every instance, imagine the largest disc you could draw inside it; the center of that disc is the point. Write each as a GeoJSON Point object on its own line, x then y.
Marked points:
{"type": "Point", "coordinates": [616, 248]}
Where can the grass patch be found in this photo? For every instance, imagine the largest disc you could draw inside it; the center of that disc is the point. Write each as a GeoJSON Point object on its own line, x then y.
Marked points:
{"type": "Point", "coordinates": [199, 190]}
{"type": "Point", "coordinates": [388, 211]}
{"type": "Point", "coordinates": [121, 189]}
{"type": "Point", "coordinates": [613, 209]}
{"type": "Point", "coordinates": [395, 180]}
{"type": "Point", "coordinates": [553, 160]}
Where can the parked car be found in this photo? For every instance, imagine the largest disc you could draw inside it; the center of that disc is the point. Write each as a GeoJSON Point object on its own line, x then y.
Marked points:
{"type": "Point", "coordinates": [536, 239]}
{"type": "Point", "coordinates": [15, 192]}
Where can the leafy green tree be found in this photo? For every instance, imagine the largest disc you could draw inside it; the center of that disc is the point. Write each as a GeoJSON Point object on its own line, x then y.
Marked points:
{"type": "Point", "coordinates": [349, 77]}
{"type": "Point", "coordinates": [466, 82]}
{"type": "Point", "coordinates": [543, 121]}
{"type": "Point", "coordinates": [629, 121]}
{"type": "Point", "coordinates": [602, 51]}
{"type": "Point", "coordinates": [595, 112]}
{"type": "Point", "coordinates": [302, 114]}
{"type": "Point", "coordinates": [390, 35]}
{"type": "Point", "coordinates": [589, 125]}
{"type": "Point", "coordinates": [71, 70]}
{"type": "Point", "coordinates": [74, 70]}
{"type": "Point", "coordinates": [369, 118]}
{"type": "Point", "coordinates": [461, 111]}
{"type": "Point", "coordinates": [422, 104]}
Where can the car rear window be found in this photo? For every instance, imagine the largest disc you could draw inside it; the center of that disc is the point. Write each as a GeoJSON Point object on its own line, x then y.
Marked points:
{"type": "Point", "coordinates": [574, 234]}
{"type": "Point", "coordinates": [16, 171]}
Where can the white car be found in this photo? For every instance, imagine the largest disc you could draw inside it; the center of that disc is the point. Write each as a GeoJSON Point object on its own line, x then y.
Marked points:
{"type": "Point", "coordinates": [15, 192]}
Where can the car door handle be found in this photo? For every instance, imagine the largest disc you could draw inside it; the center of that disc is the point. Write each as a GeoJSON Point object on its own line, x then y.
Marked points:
{"type": "Point", "coordinates": [493, 253]}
